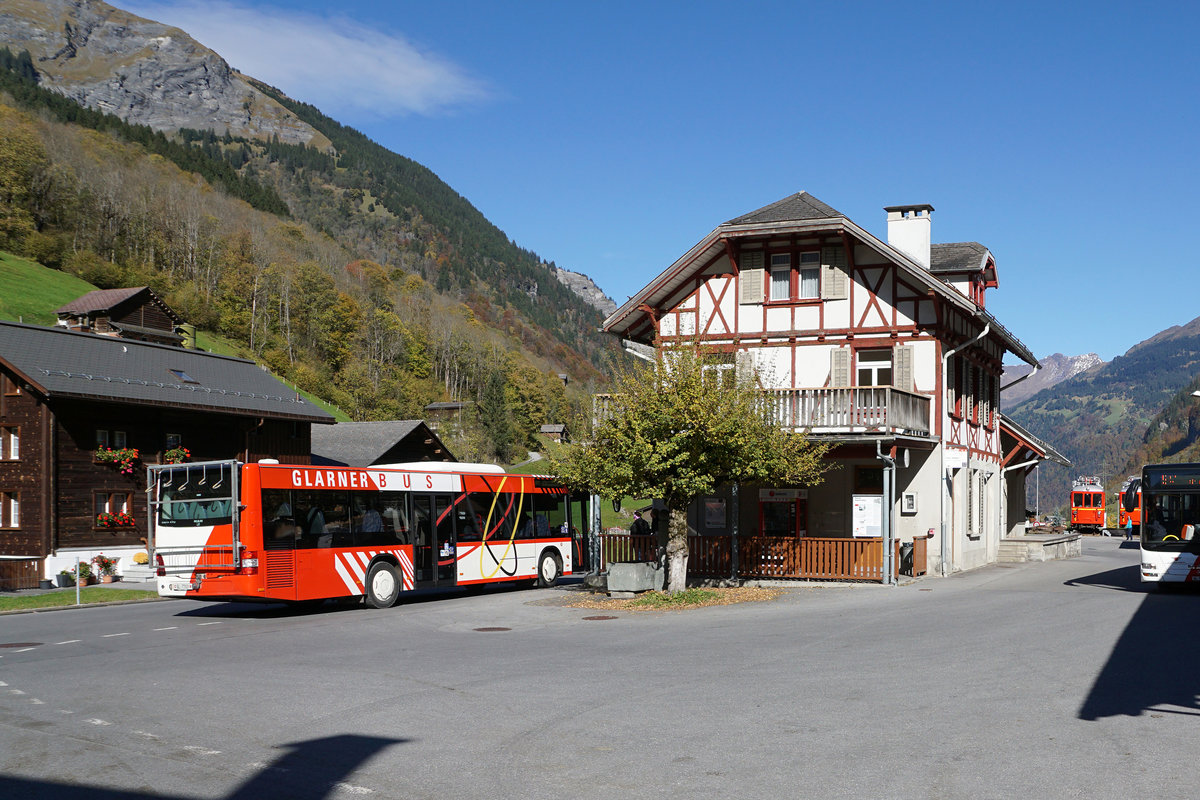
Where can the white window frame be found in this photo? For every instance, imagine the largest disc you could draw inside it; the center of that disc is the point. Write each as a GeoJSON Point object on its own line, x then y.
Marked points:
{"type": "Point", "coordinates": [10, 510]}
{"type": "Point", "coordinates": [874, 367]}
{"type": "Point", "coordinates": [781, 264]}
{"type": "Point", "coordinates": [10, 443]}
{"type": "Point", "coordinates": [810, 265]}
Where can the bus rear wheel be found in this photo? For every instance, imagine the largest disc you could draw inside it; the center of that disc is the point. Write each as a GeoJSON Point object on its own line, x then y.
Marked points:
{"type": "Point", "coordinates": [383, 585]}
{"type": "Point", "coordinates": [548, 570]}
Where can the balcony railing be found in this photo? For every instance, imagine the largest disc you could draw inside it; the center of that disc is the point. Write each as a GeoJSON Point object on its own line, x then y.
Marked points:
{"type": "Point", "coordinates": [850, 409]}
{"type": "Point", "coordinates": [830, 410]}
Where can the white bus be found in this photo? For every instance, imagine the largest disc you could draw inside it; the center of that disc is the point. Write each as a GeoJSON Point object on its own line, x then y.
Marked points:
{"type": "Point", "coordinates": [1170, 524]}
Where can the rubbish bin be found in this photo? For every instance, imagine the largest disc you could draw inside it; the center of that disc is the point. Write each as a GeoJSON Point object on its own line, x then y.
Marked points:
{"type": "Point", "coordinates": [906, 558]}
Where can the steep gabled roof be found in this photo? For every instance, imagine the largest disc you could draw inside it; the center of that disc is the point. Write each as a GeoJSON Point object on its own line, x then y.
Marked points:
{"type": "Point", "coordinates": [102, 300]}
{"type": "Point", "coordinates": [798, 214]}
{"type": "Point", "coordinates": [958, 257]}
{"type": "Point", "coordinates": [361, 444]}
{"type": "Point", "coordinates": [1026, 439]}
{"type": "Point", "coordinates": [801, 205]}
{"type": "Point", "coordinates": [66, 364]}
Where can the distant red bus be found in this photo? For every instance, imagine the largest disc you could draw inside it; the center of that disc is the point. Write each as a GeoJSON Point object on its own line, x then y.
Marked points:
{"type": "Point", "coordinates": [231, 531]}
{"type": "Point", "coordinates": [1087, 505]}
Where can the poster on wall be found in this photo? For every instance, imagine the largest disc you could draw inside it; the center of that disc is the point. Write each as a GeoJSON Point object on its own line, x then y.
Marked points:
{"type": "Point", "coordinates": [867, 515]}
{"type": "Point", "coordinates": [714, 513]}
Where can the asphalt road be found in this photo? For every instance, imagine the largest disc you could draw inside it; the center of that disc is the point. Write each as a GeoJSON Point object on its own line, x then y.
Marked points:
{"type": "Point", "coordinates": [1052, 680]}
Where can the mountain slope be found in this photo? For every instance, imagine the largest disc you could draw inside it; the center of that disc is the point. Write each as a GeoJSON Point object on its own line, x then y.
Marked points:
{"type": "Point", "coordinates": [142, 71]}
{"type": "Point", "coordinates": [1099, 418]}
{"type": "Point", "coordinates": [1054, 369]}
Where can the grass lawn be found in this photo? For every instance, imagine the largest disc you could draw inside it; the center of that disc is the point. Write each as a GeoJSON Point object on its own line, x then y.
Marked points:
{"type": "Point", "coordinates": [30, 292]}
{"type": "Point", "coordinates": [66, 597]}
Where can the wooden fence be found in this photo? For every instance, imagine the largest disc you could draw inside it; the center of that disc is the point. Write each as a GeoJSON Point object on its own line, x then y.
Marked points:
{"type": "Point", "coordinates": [770, 557]}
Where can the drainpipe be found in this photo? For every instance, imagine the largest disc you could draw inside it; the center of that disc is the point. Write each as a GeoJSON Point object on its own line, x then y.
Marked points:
{"type": "Point", "coordinates": [1036, 367]}
{"type": "Point", "coordinates": [887, 529]}
{"type": "Point", "coordinates": [942, 450]}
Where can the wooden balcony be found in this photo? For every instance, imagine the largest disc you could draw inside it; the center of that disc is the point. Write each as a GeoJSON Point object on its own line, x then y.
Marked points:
{"type": "Point", "coordinates": [837, 410]}
{"type": "Point", "coordinates": [850, 409]}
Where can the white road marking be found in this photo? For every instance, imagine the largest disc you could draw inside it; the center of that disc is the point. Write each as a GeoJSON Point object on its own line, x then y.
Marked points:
{"type": "Point", "coordinates": [95, 721]}
{"type": "Point", "coordinates": [36, 702]}
{"type": "Point", "coordinates": [218, 622]}
{"type": "Point", "coordinates": [173, 627]}
{"type": "Point", "coordinates": [69, 641]}
{"type": "Point", "coordinates": [15, 691]}
{"type": "Point", "coordinates": [146, 735]}
{"type": "Point", "coordinates": [111, 635]}
{"type": "Point", "coordinates": [2, 683]}
{"type": "Point", "coordinates": [23, 650]}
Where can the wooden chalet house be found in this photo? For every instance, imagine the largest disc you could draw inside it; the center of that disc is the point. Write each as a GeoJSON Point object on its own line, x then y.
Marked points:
{"type": "Point", "coordinates": [65, 395]}
{"type": "Point", "coordinates": [883, 348]}
{"type": "Point", "coordinates": [364, 444]}
{"type": "Point", "coordinates": [134, 313]}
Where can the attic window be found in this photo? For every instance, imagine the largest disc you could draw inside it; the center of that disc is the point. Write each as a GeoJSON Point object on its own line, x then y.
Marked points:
{"type": "Point", "coordinates": [183, 376]}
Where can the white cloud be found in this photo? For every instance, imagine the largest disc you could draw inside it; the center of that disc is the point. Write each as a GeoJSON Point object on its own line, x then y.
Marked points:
{"type": "Point", "coordinates": [337, 64]}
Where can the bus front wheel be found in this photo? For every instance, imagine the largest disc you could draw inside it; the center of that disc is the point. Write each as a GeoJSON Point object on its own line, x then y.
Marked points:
{"type": "Point", "coordinates": [383, 585]}
{"type": "Point", "coordinates": [547, 570]}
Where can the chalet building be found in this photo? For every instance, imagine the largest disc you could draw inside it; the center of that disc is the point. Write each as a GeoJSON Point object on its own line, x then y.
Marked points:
{"type": "Point", "coordinates": [66, 397]}
{"type": "Point", "coordinates": [364, 444]}
{"type": "Point", "coordinates": [137, 313]}
{"type": "Point", "coordinates": [885, 350]}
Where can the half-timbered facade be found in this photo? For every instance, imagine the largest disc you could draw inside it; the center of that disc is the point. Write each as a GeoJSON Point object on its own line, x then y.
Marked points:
{"type": "Point", "coordinates": [883, 348]}
{"type": "Point", "coordinates": [66, 396]}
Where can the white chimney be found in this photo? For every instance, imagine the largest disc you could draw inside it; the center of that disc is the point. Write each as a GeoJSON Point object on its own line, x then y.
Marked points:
{"type": "Point", "coordinates": [908, 230]}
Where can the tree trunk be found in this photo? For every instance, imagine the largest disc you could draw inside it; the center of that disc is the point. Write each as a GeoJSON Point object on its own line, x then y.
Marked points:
{"type": "Point", "coordinates": [677, 549]}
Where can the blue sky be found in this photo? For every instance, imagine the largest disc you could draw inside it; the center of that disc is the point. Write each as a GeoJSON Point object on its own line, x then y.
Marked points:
{"type": "Point", "coordinates": [611, 137]}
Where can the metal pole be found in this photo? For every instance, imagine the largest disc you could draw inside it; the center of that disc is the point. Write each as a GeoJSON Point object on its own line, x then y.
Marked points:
{"type": "Point", "coordinates": [734, 534]}
{"type": "Point", "coordinates": [77, 581]}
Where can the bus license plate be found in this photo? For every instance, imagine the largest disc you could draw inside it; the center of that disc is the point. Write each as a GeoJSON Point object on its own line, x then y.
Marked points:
{"type": "Point", "coordinates": [181, 587]}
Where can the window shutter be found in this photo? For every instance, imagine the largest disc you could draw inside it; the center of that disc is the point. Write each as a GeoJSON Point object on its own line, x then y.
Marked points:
{"type": "Point", "coordinates": [743, 366]}
{"type": "Point", "coordinates": [902, 356]}
{"type": "Point", "coordinates": [751, 271]}
{"type": "Point", "coordinates": [839, 367]}
{"type": "Point", "coordinates": [835, 283]}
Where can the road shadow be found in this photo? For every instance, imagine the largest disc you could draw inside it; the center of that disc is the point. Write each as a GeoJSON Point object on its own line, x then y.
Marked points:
{"type": "Point", "coordinates": [277, 609]}
{"type": "Point", "coordinates": [1151, 666]}
{"type": "Point", "coordinates": [1122, 579]}
{"type": "Point", "coordinates": [311, 770]}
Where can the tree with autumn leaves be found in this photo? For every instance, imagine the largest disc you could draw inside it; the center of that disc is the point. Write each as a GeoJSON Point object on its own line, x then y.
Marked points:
{"type": "Point", "coordinates": [677, 429]}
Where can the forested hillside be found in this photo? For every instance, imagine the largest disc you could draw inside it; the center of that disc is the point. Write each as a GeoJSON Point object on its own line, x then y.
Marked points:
{"type": "Point", "coordinates": [1099, 419]}
{"type": "Point", "coordinates": [357, 275]}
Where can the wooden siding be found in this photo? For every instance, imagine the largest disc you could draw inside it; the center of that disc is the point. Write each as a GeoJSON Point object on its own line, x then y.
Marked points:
{"type": "Point", "coordinates": [25, 476]}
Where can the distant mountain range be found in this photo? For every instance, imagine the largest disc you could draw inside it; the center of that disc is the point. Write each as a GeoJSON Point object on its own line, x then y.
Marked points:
{"type": "Point", "coordinates": [1102, 416]}
{"type": "Point", "coordinates": [1054, 369]}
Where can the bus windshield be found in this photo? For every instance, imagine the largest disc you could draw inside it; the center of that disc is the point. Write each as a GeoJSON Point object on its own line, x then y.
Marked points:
{"type": "Point", "coordinates": [1172, 521]}
{"type": "Point", "coordinates": [195, 495]}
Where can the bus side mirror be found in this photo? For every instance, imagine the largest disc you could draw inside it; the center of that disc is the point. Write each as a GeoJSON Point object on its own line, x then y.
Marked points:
{"type": "Point", "coordinates": [1129, 500]}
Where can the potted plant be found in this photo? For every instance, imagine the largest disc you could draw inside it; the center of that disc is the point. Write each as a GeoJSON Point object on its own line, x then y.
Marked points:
{"type": "Point", "coordinates": [122, 457]}
{"type": "Point", "coordinates": [65, 578]}
{"type": "Point", "coordinates": [107, 567]}
{"type": "Point", "coordinates": [177, 455]}
{"type": "Point", "coordinates": [117, 519]}
{"type": "Point", "coordinates": [85, 573]}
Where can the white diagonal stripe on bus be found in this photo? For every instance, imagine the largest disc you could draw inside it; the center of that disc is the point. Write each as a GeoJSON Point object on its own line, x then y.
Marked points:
{"type": "Point", "coordinates": [344, 574]}
{"type": "Point", "coordinates": [355, 567]}
{"type": "Point", "coordinates": [407, 568]}
{"type": "Point", "coordinates": [363, 558]}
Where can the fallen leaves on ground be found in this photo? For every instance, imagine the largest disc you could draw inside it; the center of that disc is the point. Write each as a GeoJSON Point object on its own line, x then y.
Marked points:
{"type": "Point", "coordinates": [715, 597]}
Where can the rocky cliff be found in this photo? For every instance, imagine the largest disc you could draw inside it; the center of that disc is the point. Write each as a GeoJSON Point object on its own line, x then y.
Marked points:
{"type": "Point", "coordinates": [142, 71]}
{"type": "Point", "coordinates": [586, 288]}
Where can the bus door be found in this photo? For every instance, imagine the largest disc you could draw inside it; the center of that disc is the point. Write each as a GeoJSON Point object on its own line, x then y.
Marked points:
{"type": "Point", "coordinates": [433, 540]}
{"type": "Point", "coordinates": [447, 564]}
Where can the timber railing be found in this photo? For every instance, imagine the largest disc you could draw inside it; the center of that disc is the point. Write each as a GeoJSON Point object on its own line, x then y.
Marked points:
{"type": "Point", "coordinates": [769, 557]}
{"type": "Point", "coordinates": [834, 409]}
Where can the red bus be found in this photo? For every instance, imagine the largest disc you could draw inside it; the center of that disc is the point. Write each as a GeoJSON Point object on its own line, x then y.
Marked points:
{"type": "Point", "coordinates": [1124, 516]}
{"type": "Point", "coordinates": [1087, 505]}
{"type": "Point", "coordinates": [225, 530]}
